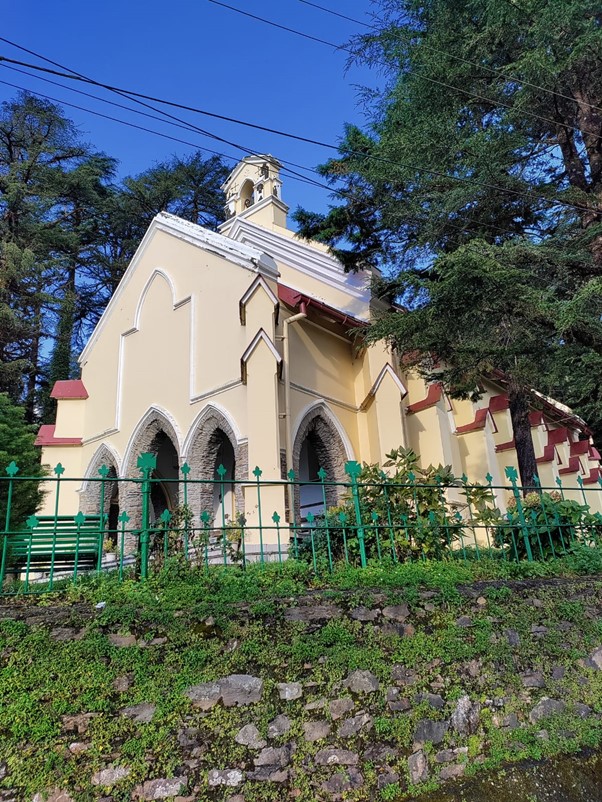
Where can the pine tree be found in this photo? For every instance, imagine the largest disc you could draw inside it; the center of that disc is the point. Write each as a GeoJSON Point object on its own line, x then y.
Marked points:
{"type": "Point", "coordinates": [484, 148]}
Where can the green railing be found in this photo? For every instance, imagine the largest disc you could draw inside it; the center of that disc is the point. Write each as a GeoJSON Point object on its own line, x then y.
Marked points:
{"type": "Point", "coordinates": [140, 522]}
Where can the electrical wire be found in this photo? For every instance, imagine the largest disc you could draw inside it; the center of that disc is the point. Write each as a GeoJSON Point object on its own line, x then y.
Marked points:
{"type": "Point", "coordinates": [445, 85]}
{"type": "Point", "coordinates": [484, 67]}
{"type": "Point", "coordinates": [308, 140]}
{"type": "Point", "coordinates": [332, 190]}
{"type": "Point", "coordinates": [175, 120]}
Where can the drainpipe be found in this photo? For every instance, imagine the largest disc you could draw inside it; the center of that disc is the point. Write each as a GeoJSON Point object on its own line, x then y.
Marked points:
{"type": "Point", "coordinates": [287, 398]}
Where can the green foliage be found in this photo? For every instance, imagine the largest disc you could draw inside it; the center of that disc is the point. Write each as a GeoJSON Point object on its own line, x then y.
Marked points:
{"type": "Point", "coordinates": [552, 526]}
{"type": "Point", "coordinates": [478, 193]}
{"type": "Point", "coordinates": [17, 445]}
{"type": "Point", "coordinates": [67, 233]}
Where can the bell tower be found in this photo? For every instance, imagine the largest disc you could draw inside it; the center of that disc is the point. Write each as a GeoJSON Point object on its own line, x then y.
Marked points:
{"type": "Point", "coordinates": [253, 191]}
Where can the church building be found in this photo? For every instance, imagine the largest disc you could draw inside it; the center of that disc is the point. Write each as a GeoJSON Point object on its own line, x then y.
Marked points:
{"type": "Point", "coordinates": [244, 348]}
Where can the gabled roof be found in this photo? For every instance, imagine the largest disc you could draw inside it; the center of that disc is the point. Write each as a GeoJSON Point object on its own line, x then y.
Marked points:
{"type": "Point", "coordinates": [71, 388]}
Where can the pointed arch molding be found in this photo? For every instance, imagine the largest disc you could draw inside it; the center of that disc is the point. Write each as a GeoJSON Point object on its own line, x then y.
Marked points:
{"type": "Point", "coordinates": [321, 409]}
{"type": "Point", "coordinates": [212, 411]}
{"type": "Point", "coordinates": [260, 337]}
{"type": "Point", "coordinates": [259, 282]}
{"type": "Point", "coordinates": [158, 272]}
{"type": "Point", "coordinates": [105, 454]}
{"type": "Point", "coordinates": [386, 371]}
{"type": "Point", "coordinates": [90, 491]}
{"type": "Point", "coordinates": [192, 345]}
{"type": "Point", "coordinates": [153, 421]}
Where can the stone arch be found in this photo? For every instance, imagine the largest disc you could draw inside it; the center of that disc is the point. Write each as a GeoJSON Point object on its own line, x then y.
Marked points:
{"type": "Point", "coordinates": [213, 439]}
{"type": "Point", "coordinates": [320, 433]}
{"type": "Point", "coordinates": [93, 489]}
{"type": "Point", "coordinates": [155, 434]}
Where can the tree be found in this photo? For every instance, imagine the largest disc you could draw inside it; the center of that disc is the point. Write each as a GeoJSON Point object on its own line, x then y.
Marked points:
{"type": "Point", "coordinates": [67, 233]}
{"type": "Point", "coordinates": [485, 147]}
{"type": "Point", "coordinates": [189, 187]}
{"type": "Point", "coordinates": [50, 186]}
{"type": "Point", "coordinates": [17, 445]}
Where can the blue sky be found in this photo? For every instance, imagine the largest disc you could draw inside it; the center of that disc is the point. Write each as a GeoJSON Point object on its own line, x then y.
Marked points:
{"type": "Point", "coordinates": [201, 55]}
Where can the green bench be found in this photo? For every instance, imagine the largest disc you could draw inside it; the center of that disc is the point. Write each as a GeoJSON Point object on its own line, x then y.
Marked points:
{"type": "Point", "coordinates": [56, 543]}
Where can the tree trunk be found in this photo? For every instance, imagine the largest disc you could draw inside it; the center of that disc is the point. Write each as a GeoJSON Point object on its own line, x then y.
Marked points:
{"type": "Point", "coordinates": [521, 428]}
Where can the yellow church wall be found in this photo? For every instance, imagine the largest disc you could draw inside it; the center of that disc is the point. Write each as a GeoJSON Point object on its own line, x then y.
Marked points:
{"type": "Point", "coordinates": [321, 362]}
{"type": "Point", "coordinates": [70, 417]}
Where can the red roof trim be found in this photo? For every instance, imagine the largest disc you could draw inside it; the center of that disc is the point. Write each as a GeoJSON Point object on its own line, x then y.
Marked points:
{"type": "Point", "coordinates": [433, 396]}
{"type": "Point", "coordinates": [549, 452]}
{"type": "Point", "coordinates": [497, 403]}
{"type": "Point", "coordinates": [574, 466]}
{"type": "Point", "coordinates": [593, 477]}
{"type": "Point", "coordinates": [510, 444]}
{"type": "Point", "coordinates": [480, 419]}
{"type": "Point", "coordinates": [536, 419]}
{"type": "Point", "coordinates": [579, 447]}
{"type": "Point", "coordinates": [556, 436]}
{"type": "Point", "coordinates": [71, 388]}
{"type": "Point", "coordinates": [294, 299]}
{"type": "Point", "coordinates": [46, 437]}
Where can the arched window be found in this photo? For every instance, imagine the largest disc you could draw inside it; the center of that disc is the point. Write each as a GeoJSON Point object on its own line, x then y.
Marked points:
{"type": "Point", "coordinates": [246, 194]}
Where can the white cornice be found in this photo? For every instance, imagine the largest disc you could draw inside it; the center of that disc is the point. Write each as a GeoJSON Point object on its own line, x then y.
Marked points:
{"type": "Point", "coordinates": [302, 257]}
{"type": "Point", "coordinates": [239, 253]}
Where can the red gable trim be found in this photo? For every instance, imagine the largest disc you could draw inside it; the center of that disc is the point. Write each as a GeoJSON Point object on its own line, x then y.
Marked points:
{"type": "Point", "coordinates": [433, 396]}
{"type": "Point", "coordinates": [549, 453]}
{"type": "Point", "coordinates": [71, 388]}
{"type": "Point", "coordinates": [556, 436]}
{"type": "Point", "coordinates": [480, 419]}
{"type": "Point", "coordinates": [46, 437]}
{"type": "Point", "coordinates": [574, 466]}
{"type": "Point", "coordinates": [579, 447]}
{"type": "Point", "coordinates": [510, 444]}
{"type": "Point", "coordinates": [497, 403]}
{"type": "Point", "coordinates": [593, 477]}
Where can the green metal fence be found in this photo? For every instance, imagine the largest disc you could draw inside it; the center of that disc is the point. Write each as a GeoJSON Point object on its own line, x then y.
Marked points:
{"type": "Point", "coordinates": [370, 517]}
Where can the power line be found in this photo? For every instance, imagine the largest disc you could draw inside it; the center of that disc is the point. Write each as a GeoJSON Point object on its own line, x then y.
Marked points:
{"type": "Point", "coordinates": [293, 176]}
{"type": "Point", "coordinates": [418, 74]}
{"type": "Point", "coordinates": [308, 140]}
{"type": "Point", "coordinates": [492, 70]}
{"type": "Point", "coordinates": [189, 126]}
{"type": "Point", "coordinates": [176, 120]}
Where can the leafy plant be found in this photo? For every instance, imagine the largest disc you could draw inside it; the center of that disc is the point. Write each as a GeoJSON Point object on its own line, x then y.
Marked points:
{"type": "Point", "coordinates": [543, 526]}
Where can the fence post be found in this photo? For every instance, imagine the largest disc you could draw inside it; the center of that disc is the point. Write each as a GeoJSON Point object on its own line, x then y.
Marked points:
{"type": "Point", "coordinates": [11, 471]}
{"type": "Point", "coordinates": [185, 469]}
{"type": "Point", "coordinates": [146, 464]}
{"type": "Point", "coordinates": [103, 472]}
{"type": "Point", "coordinates": [352, 469]}
{"type": "Point", "coordinates": [512, 475]}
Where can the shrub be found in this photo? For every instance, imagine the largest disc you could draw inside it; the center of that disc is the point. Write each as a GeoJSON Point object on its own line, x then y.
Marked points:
{"type": "Point", "coordinates": [553, 526]}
